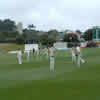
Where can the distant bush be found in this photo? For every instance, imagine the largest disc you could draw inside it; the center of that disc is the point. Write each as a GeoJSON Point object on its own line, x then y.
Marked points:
{"type": "Point", "coordinates": [71, 39]}
{"type": "Point", "coordinates": [92, 44]}
{"type": "Point", "coordinates": [20, 39]}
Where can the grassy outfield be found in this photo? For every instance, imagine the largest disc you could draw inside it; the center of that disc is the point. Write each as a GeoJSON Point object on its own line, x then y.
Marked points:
{"type": "Point", "coordinates": [10, 46]}
{"type": "Point", "coordinates": [33, 81]}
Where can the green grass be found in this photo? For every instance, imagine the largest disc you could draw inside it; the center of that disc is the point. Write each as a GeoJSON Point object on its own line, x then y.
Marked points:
{"type": "Point", "coordinates": [34, 81]}
{"type": "Point", "coordinates": [10, 47]}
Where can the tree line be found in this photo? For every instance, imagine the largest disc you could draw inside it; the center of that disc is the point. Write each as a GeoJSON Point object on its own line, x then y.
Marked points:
{"type": "Point", "coordinates": [9, 33]}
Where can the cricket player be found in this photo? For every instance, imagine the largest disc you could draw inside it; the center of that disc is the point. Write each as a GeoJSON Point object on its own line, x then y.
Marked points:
{"type": "Point", "coordinates": [28, 55]}
{"type": "Point", "coordinates": [73, 55]}
{"type": "Point", "coordinates": [79, 58]}
{"type": "Point", "coordinates": [31, 54]}
{"type": "Point", "coordinates": [19, 56]}
{"type": "Point", "coordinates": [46, 53]}
{"type": "Point", "coordinates": [52, 52]}
{"type": "Point", "coordinates": [75, 44]}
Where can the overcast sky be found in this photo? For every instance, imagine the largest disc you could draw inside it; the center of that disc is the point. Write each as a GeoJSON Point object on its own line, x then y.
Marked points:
{"type": "Point", "coordinates": [53, 14]}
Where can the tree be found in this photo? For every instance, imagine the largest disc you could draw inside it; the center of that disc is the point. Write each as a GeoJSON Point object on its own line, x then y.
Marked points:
{"type": "Point", "coordinates": [2, 37]}
{"type": "Point", "coordinates": [53, 33]}
{"type": "Point", "coordinates": [20, 39]}
{"type": "Point", "coordinates": [7, 25]}
{"type": "Point", "coordinates": [78, 31]}
{"type": "Point", "coordinates": [71, 39]}
{"type": "Point", "coordinates": [30, 36]}
{"type": "Point", "coordinates": [88, 35]}
{"type": "Point", "coordinates": [8, 30]}
{"type": "Point", "coordinates": [31, 26]}
{"type": "Point", "coordinates": [46, 40]}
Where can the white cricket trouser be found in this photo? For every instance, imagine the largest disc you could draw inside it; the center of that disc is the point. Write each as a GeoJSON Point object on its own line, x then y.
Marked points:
{"type": "Point", "coordinates": [28, 56]}
{"type": "Point", "coordinates": [80, 59]}
{"type": "Point", "coordinates": [19, 60]}
{"type": "Point", "coordinates": [73, 56]}
{"type": "Point", "coordinates": [52, 63]}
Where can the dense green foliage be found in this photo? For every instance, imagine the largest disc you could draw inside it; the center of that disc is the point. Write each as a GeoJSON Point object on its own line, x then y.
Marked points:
{"type": "Point", "coordinates": [71, 39]}
{"type": "Point", "coordinates": [9, 33]}
{"type": "Point", "coordinates": [88, 35]}
{"type": "Point", "coordinates": [7, 25]}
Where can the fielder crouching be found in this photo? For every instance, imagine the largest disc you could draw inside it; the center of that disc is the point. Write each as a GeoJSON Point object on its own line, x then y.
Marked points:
{"type": "Point", "coordinates": [75, 44]}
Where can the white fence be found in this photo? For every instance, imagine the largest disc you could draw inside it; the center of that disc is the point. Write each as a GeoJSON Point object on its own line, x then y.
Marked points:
{"type": "Point", "coordinates": [29, 47]}
{"type": "Point", "coordinates": [61, 45]}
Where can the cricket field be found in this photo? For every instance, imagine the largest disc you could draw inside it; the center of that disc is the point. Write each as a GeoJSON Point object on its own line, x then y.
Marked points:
{"type": "Point", "coordinates": [33, 80]}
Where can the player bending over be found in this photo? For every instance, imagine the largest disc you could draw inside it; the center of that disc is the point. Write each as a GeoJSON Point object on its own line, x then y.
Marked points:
{"type": "Point", "coordinates": [74, 41]}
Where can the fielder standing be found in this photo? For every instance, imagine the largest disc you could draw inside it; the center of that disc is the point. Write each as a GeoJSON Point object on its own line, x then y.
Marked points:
{"type": "Point", "coordinates": [28, 55]}
{"type": "Point", "coordinates": [19, 56]}
{"type": "Point", "coordinates": [78, 54]}
{"type": "Point", "coordinates": [52, 52]}
{"type": "Point", "coordinates": [73, 55]}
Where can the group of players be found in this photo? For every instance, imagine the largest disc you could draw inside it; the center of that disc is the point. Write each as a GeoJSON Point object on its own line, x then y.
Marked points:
{"type": "Point", "coordinates": [75, 49]}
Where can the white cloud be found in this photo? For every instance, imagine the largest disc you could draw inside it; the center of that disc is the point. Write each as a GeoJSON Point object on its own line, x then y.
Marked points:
{"type": "Point", "coordinates": [48, 14]}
